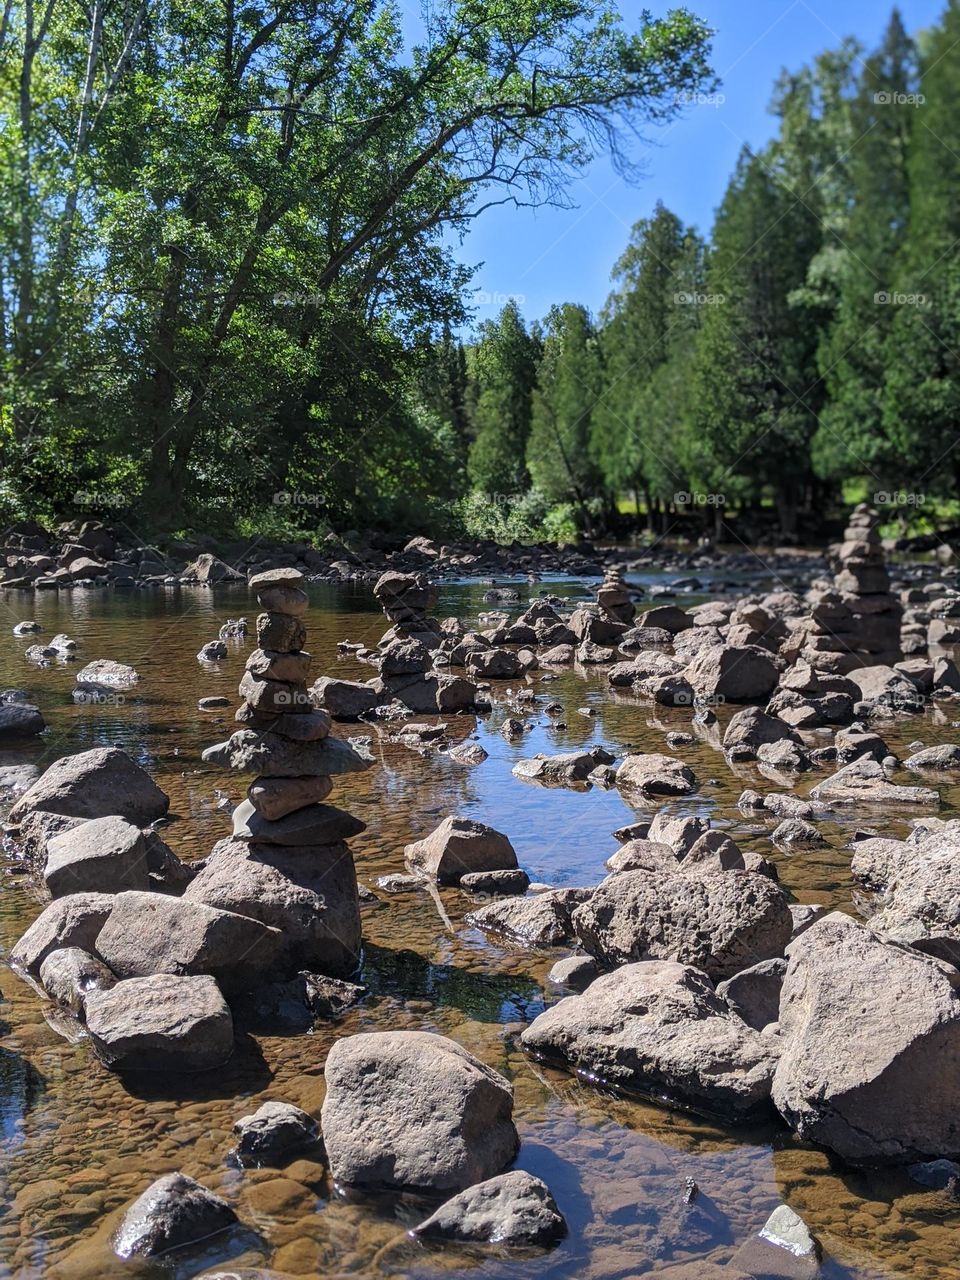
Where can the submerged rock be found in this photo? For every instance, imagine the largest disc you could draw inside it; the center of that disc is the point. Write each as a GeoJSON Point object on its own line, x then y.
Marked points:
{"type": "Point", "coordinates": [273, 1131]}
{"type": "Point", "coordinates": [416, 1111]}
{"type": "Point", "coordinates": [655, 775]}
{"type": "Point", "coordinates": [543, 920]}
{"type": "Point", "coordinates": [513, 1208]}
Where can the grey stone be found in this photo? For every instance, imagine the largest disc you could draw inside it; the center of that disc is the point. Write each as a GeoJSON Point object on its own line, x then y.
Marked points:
{"type": "Point", "coordinates": [313, 824]}
{"type": "Point", "coordinates": [273, 756]}
{"type": "Point", "coordinates": [512, 1208]}
{"type": "Point", "coordinates": [74, 921]}
{"type": "Point", "coordinates": [93, 784]}
{"type": "Point", "coordinates": [163, 1022]}
{"type": "Point", "coordinates": [69, 974]}
{"type": "Point", "coordinates": [274, 1131]}
{"type": "Point", "coordinates": [104, 855]}
{"type": "Point", "coordinates": [172, 1212]}
{"type": "Point", "coordinates": [457, 846]}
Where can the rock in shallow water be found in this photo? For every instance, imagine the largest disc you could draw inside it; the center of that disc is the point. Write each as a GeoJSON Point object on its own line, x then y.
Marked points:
{"type": "Point", "coordinates": [514, 1208]}
{"type": "Point", "coordinates": [172, 1212]}
{"type": "Point", "coordinates": [659, 1028]}
{"type": "Point", "coordinates": [93, 784]}
{"type": "Point", "coordinates": [460, 845]}
{"type": "Point", "coordinates": [69, 974]}
{"type": "Point", "coordinates": [543, 920]}
{"type": "Point", "coordinates": [164, 1022]}
{"type": "Point", "coordinates": [411, 1110]}
{"type": "Point", "coordinates": [273, 1131]}
{"type": "Point", "coordinates": [104, 855]}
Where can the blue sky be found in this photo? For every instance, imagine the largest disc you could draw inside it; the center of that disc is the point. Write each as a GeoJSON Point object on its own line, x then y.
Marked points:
{"type": "Point", "coordinates": [547, 256]}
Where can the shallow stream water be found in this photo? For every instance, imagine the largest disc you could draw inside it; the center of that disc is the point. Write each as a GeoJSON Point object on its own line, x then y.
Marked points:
{"type": "Point", "coordinates": [77, 1143]}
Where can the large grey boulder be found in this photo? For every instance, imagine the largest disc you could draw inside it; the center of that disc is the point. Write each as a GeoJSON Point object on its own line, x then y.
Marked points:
{"type": "Point", "coordinates": [94, 784]}
{"type": "Point", "coordinates": [74, 921]}
{"type": "Point", "coordinates": [172, 1212]}
{"type": "Point", "coordinates": [411, 1110]}
{"type": "Point", "coordinates": [871, 1046]}
{"type": "Point", "coordinates": [754, 994]}
{"type": "Point", "coordinates": [650, 775]}
{"type": "Point", "coordinates": [20, 720]}
{"type": "Point", "coordinates": [458, 846]}
{"type": "Point", "coordinates": [274, 756]}
{"type": "Point", "coordinates": [164, 1022]}
{"type": "Point", "coordinates": [344, 699]}
{"type": "Point", "coordinates": [661, 1029]}
{"type": "Point", "coordinates": [512, 1208]}
{"type": "Point", "coordinates": [104, 855]}
{"type": "Point", "coordinates": [720, 923]}
{"type": "Point", "coordinates": [751, 729]}
{"type": "Point", "coordinates": [149, 933]}
{"type": "Point", "coordinates": [309, 895]}
{"type": "Point", "coordinates": [726, 673]}
{"type": "Point", "coordinates": [567, 769]}
{"type": "Point", "coordinates": [921, 903]}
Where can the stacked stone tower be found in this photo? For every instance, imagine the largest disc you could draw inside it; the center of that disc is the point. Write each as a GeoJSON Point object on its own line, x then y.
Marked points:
{"type": "Point", "coordinates": [613, 597]}
{"type": "Point", "coordinates": [286, 862]}
{"type": "Point", "coordinates": [864, 584]}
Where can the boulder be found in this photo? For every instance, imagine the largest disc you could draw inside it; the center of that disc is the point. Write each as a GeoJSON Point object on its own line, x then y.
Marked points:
{"type": "Point", "coordinates": [344, 699]}
{"type": "Point", "coordinates": [207, 568]}
{"type": "Point", "coordinates": [20, 720]}
{"type": "Point", "coordinates": [726, 673]}
{"type": "Point", "coordinates": [172, 1212]}
{"type": "Point", "coordinates": [272, 1132]}
{"type": "Point", "coordinates": [308, 895]}
{"type": "Point", "coordinates": [511, 1209]}
{"type": "Point", "coordinates": [459, 845]}
{"type": "Point", "coordinates": [650, 775]}
{"type": "Point", "coordinates": [921, 903]}
{"type": "Point", "coordinates": [148, 933]}
{"type": "Point", "coordinates": [163, 1022]}
{"type": "Point", "coordinates": [280, 632]}
{"type": "Point", "coordinates": [104, 673]}
{"type": "Point", "coordinates": [751, 729]}
{"type": "Point", "coordinates": [576, 972]}
{"type": "Point", "coordinates": [569, 768]}
{"type": "Point", "coordinates": [94, 784]}
{"type": "Point", "coordinates": [543, 920]}
{"type": "Point", "coordinates": [887, 687]}
{"type": "Point", "coordinates": [865, 784]}
{"type": "Point", "coordinates": [680, 833]}
{"type": "Point", "coordinates": [946, 756]}
{"type": "Point", "coordinates": [69, 974]}
{"type": "Point", "coordinates": [659, 1028]}
{"type": "Point", "coordinates": [871, 1046]}
{"type": "Point", "coordinates": [74, 921]}
{"type": "Point", "coordinates": [104, 855]}
{"type": "Point", "coordinates": [719, 923]}
{"type": "Point", "coordinates": [414, 1111]}
{"type": "Point", "coordinates": [754, 994]}
{"type": "Point", "coordinates": [280, 577]}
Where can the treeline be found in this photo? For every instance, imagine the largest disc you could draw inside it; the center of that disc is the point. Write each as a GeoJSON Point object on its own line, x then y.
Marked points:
{"type": "Point", "coordinates": [811, 343]}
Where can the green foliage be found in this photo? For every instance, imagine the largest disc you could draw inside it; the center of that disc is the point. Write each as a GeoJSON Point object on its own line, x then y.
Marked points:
{"type": "Point", "coordinates": [504, 375]}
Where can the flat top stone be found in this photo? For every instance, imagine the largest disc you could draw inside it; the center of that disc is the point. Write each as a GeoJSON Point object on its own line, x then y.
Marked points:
{"type": "Point", "coordinates": [275, 578]}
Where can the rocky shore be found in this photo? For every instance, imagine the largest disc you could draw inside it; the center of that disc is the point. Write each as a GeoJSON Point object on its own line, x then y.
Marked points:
{"type": "Point", "coordinates": [687, 976]}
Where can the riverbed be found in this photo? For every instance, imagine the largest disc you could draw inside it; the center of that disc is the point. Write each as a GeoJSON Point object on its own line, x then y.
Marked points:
{"type": "Point", "coordinates": [77, 1143]}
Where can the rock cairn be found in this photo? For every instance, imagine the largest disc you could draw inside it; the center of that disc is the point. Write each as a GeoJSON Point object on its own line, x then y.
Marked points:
{"type": "Point", "coordinates": [406, 598]}
{"type": "Point", "coordinates": [283, 832]}
{"type": "Point", "coordinates": [613, 597]}
{"type": "Point", "coordinates": [864, 583]}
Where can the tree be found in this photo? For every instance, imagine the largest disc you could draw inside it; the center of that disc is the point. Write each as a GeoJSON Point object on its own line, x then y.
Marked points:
{"type": "Point", "coordinates": [504, 374]}
{"type": "Point", "coordinates": [756, 392]}
{"type": "Point", "coordinates": [569, 381]}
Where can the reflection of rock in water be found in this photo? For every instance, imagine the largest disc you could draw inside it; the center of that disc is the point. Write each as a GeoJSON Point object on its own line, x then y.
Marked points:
{"type": "Point", "coordinates": [21, 1088]}
{"type": "Point", "coordinates": [482, 997]}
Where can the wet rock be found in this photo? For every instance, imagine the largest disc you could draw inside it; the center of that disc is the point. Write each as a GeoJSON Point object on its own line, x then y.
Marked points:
{"type": "Point", "coordinates": [659, 1028]}
{"type": "Point", "coordinates": [754, 994]}
{"type": "Point", "coordinates": [783, 1249]}
{"type": "Point", "coordinates": [213, 651]}
{"type": "Point", "coordinates": [311, 824]}
{"type": "Point", "coordinates": [17, 778]}
{"type": "Point", "coordinates": [946, 756]}
{"type": "Point", "coordinates": [719, 923]}
{"type": "Point", "coordinates": [541, 921]}
{"type": "Point", "coordinates": [163, 1022]}
{"type": "Point", "coordinates": [497, 883]}
{"type": "Point", "coordinates": [562, 770]}
{"type": "Point", "coordinates": [576, 972]}
{"type": "Point", "coordinates": [938, 1174]}
{"type": "Point", "coordinates": [864, 783]}
{"type": "Point", "coordinates": [274, 1131]}
{"type": "Point", "coordinates": [877, 859]}
{"type": "Point", "coordinates": [213, 703]}
{"type": "Point", "coordinates": [20, 720]}
{"type": "Point", "coordinates": [69, 974]}
{"type": "Point", "coordinates": [468, 753]}
{"type": "Point", "coordinates": [104, 855]}
{"type": "Point", "coordinates": [104, 673]}
{"type": "Point", "coordinates": [74, 921]}
{"type": "Point", "coordinates": [680, 833]}
{"type": "Point", "coordinates": [151, 933]}
{"type": "Point", "coordinates": [638, 855]}
{"type": "Point", "coordinates": [655, 775]}
{"type": "Point", "coordinates": [796, 831]}
{"type": "Point", "coordinates": [513, 1208]}
{"type": "Point", "coordinates": [784, 756]}
{"type": "Point", "coordinates": [274, 756]}
{"type": "Point", "coordinates": [871, 1046]}
{"type": "Point", "coordinates": [412, 1110]}
{"type": "Point", "coordinates": [173, 1211]}
{"type": "Point", "coordinates": [457, 846]}
{"type": "Point", "coordinates": [94, 784]}
{"type": "Point", "coordinates": [731, 674]}
{"type": "Point", "coordinates": [308, 896]}
{"type": "Point", "coordinates": [27, 628]}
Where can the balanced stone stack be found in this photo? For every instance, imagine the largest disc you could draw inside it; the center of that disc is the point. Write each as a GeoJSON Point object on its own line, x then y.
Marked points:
{"type": "Point", "coordinates": [613, 597]}
{"type": "Point", "coordinates": [287, 862]}
{"type": "Point", "coordinates": [406, 598]}
{"type": "Point", "coordinates": [864, 583]}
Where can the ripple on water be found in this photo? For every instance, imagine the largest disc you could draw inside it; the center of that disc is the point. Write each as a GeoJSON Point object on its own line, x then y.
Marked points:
{"type": "Point", "coordinates": [77, 1143]}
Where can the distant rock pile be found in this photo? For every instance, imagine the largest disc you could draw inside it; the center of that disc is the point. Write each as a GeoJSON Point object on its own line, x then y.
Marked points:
{"type": "Point", "coordinates": [865, 584]}
{"type": "Point", "coordinates": [613, 597]}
